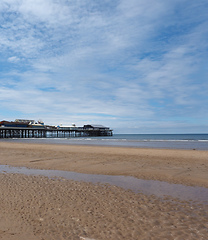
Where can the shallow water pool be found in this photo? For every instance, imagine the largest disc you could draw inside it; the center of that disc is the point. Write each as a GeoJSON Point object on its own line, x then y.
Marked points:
{"type": "Point", "coordinates": [148, 187]}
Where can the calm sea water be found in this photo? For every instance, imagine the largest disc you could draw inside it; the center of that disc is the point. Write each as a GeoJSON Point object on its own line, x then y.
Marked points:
{"type": "Point", "coordinates": [166, 141]}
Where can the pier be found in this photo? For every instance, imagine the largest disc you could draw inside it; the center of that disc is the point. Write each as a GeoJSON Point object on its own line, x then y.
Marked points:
{"type": "Point", "coordinates": [23, 128]}
{"type": "Point", "coordinates": [26, 132]}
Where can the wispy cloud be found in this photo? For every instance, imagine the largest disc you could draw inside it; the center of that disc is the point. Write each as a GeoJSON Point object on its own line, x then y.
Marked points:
{"type": "Point", "coordinates": [136, 63]}
{"type": "Point", "coordinates": [13, 59]}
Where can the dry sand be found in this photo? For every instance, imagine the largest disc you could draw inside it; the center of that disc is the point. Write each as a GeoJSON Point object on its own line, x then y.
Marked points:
{"type": "Point", "coordinates": [36, 207]}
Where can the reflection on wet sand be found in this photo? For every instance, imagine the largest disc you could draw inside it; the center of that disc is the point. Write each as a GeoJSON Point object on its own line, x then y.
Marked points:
{"type": "Point", "coordinates": [150, 187]}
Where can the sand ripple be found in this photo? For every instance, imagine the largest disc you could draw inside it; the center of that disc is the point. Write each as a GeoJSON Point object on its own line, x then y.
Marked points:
{"type": "Point", "coordinates": [35, 207]}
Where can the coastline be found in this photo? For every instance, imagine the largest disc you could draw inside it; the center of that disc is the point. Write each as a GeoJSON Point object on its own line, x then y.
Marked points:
{"type": "Point", "coordinates": [38, 207]}
{"type": "Point", "coordinates": [155, 141]}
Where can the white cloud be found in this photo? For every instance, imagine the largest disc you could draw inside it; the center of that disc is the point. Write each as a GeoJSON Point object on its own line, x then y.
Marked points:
{"type": "Point", "coordinates": [13, 59]}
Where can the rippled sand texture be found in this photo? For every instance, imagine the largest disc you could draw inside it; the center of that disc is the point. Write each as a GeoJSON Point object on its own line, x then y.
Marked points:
{"type": "Point", "coordinates": [40, 208]}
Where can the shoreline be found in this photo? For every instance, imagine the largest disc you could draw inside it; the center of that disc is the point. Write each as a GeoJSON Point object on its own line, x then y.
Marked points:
{"type": "Point", "coordinates": [200, 145]}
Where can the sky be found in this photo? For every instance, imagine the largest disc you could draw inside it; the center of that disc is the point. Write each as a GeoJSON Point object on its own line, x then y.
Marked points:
{"type": "Point", "coordinates": [137, 66]}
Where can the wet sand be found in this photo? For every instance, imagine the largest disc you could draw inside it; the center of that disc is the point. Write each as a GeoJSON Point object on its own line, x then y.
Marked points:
{"type": "Point", "coordinates": [188, 167]}
{"type": "Point", "coordinates": [36, 207]}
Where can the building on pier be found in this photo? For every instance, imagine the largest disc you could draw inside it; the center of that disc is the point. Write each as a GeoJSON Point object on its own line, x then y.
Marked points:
{"type": "Point", "coordinates": [24, 123]}
{"type": "Point", "coordinates": [95, 127]}
{"type": "Point", "coordinates": [68, 127]}
{"type": "Point", "coordinates": [13, 124]}
{"type": "Point", "coordinates": [97, 130]}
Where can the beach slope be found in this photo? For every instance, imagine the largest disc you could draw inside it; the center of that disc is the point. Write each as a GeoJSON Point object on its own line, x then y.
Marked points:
{"type": "Point", "coordinates": [37, 207]}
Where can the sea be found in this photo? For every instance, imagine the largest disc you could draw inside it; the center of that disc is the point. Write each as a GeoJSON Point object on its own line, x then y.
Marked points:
{"type": "Point", "coordinates": [162, 141]}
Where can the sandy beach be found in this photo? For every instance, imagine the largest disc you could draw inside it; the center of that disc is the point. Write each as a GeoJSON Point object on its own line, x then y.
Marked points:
{"type": "Point", "coordinates": [37, 207]}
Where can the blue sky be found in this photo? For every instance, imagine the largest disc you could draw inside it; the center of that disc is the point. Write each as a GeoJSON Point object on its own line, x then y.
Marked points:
{"type": "Point", "coordinates": [138, 66]}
